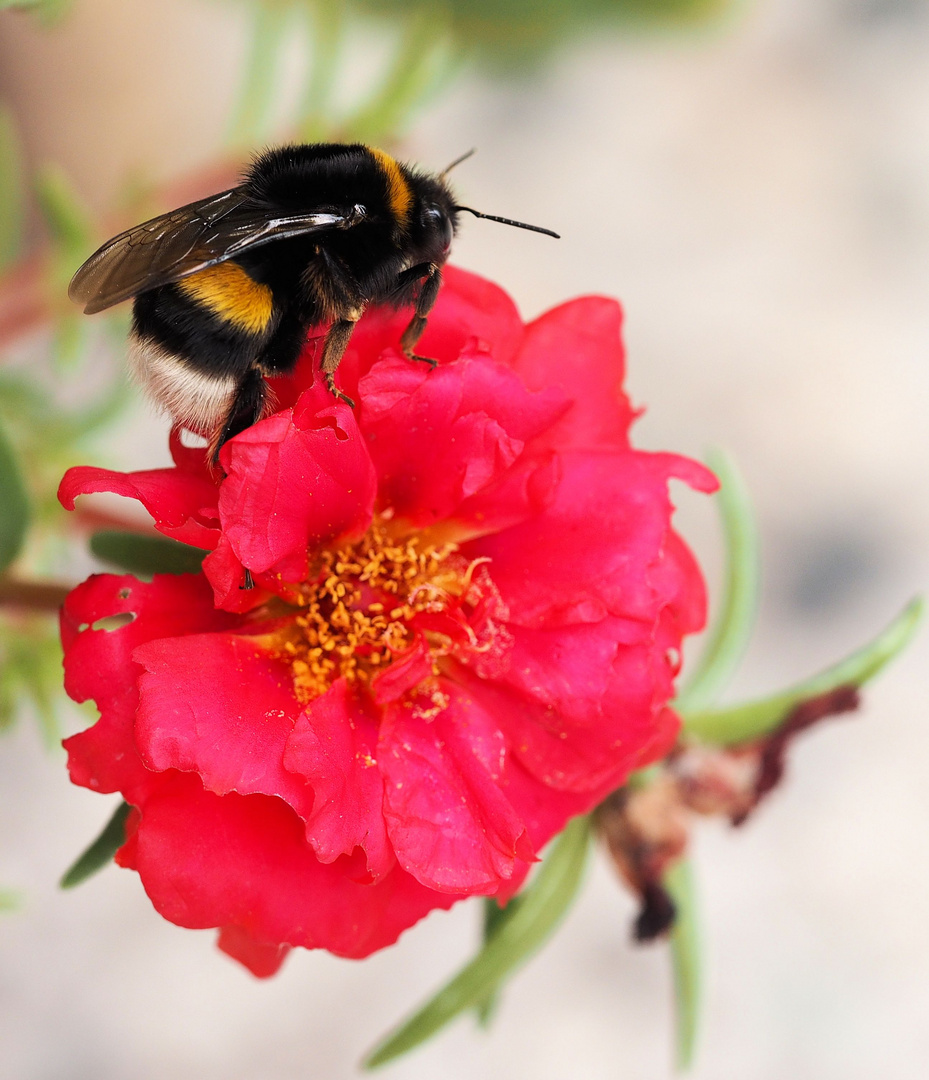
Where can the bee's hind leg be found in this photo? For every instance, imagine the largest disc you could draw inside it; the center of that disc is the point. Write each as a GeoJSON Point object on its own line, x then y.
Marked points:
{"type": "Point", "coordinates": [247, 408]}
{"type": "Point", "coordinates": [424, 304]}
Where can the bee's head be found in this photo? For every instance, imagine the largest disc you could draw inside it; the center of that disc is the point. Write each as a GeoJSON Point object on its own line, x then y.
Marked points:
{"type": "Point", "coordinates": [438, 226]}
{"type": "Point", "coordinates": [433, 221]}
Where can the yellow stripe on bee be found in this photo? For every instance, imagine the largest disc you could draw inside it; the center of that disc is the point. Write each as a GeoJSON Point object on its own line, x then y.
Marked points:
{"type": "Point", "coordinates": [399, 196]}
{"type": "Point", "coordinates": [227, 291]}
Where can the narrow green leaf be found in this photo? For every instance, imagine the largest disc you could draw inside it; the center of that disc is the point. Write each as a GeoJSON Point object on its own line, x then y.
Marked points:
{"type": "Point", "coordinates": [736, 617]}
{"type": "Point", "coordinates": [14, 504]}
{"type": "Point", "coordinates": [146, 554]}
{"type": "Point", "coordinates": [741, 723]}
{"type": "Point", "coordinates": [495, 918]}
{"type": "Point", "coordinates": [685, 958]}
{"type": "Point", "coordinates": [12, 191]}
{"type": "Point", "coordinates": [542, 905]}
{"type": "Point", "coordinates": [101, 851]}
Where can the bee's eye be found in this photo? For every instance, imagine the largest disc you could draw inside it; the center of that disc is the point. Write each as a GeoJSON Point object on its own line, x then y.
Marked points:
{"type": "Point", "coordinates": [437, 220]}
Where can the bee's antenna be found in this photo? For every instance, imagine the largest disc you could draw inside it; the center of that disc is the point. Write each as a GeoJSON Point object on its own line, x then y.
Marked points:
{"type": "Point", "coordinates": [508, 221]}
{"type": "Point", "coordinates": [457, 161]}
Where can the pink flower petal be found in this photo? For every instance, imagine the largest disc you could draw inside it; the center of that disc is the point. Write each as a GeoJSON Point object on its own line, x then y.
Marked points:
{"type": "Point", "coordinates": [99, 665]}
{"type": "Point", "coordinates": [450, 824]}
{"type": "Point", "coordinates": [594, 547]}
{"type": "Point", "coordinates": [439, 437]}
{"type": "Point", "coordinates": [578, 347]}
{"type": "Point", "coordinates": [262, 959]}
{"type": "Point", "coordinates": [332, 748]}
{"type": "Point", "coordinates": [470, 312]}
{"type": "Point", "coordinates": [182, 504]}
{"type": "Point", "coordinates": [243, 861]}
{"type": "Point", "coordinates": [294, 481]}
{"type": "Point", "coordinates": [220, 706]}
{"type": "Point", "coordinates": [578, 703]}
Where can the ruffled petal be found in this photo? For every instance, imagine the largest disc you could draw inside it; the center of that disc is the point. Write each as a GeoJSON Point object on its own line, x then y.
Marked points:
{"type": "Point", "coordinates": [438, 437]}
{"type": "Point", "coordinates": [331, 748]}
{"type": "Point", "coordinates": [296, 480]}
{"type": "Point", "coordinates": [578, 704]}
{"type": "Point", "coordinates": [578, 347]}
{"type": "Point", "coordinates": [182, 504]}
{"type": "Point", "coordinates": [98, 664]}
{"type": "Point", "coordinates": [263, 959]}
{"type": "Point", "coordinates": [595, 545]}
{"type": "Point", "coordinates": [243, 861]}
{"type": "Point", "coordinates": [450, 824]}
{"type": "Point", "coordinates": [220, 706]}
{"type": "Point", "coordinates": [470, 312]}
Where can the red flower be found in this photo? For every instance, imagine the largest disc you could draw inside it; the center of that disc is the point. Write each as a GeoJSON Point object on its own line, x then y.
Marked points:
{"type": "Point", "coordinates": [464, 630]}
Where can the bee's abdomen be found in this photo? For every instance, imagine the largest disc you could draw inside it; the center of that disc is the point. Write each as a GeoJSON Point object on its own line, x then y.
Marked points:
{"type": "Point", "coordinates": [193, 341]}
{"type": "Point", "coordinates": [195, 398]}
{"type": "Point", "coordinates": [231, 296]}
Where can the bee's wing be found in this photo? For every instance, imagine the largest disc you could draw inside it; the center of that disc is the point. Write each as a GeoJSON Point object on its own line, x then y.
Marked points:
{"type": "Point", "coordinates": [182, 242]}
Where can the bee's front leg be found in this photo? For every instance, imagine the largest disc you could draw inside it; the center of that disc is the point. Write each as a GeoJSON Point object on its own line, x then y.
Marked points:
{"type": "Point", "coordinates": [424, 304]}
{"type": "Point", "coordinates": [337, 340]}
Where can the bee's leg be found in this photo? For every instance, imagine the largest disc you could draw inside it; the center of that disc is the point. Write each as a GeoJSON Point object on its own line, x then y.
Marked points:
{"type": "Point", "coordinates": [246, 409]}
{"type": "Point", "coordinates": [413, 274]}
{"type": "Point", "coordinates": [424, 302]}
{"type": "Point", "coordinates": [333, 350]}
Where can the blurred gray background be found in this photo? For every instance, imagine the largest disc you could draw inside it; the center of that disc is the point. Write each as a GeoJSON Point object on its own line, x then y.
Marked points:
{"type": "Point", "coordinates": [757, 194]}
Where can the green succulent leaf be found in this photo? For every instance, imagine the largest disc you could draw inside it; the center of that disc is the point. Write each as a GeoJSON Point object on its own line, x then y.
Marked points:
{"type": "Point", "coordinates": [146, 554]}
{"type": "Point", "coordinates": [733, 625]}
{"type": "Point", "coordinates": [100, 852]}
{"type": "Point", "coordinates": [542, 904]}
{"type": "Point", "coordinates": [14, 504]}
{"type": "Point", "coordinates": [685, 959]}
{"type": "Point", "coordinates": [742, 723]}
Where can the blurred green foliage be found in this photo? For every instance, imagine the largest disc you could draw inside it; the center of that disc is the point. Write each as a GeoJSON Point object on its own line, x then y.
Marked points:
{"type": "Point", "coordinates": [12, 192]}
{"type": "Point", "coordinates": [14, 519]}
{"type": "Point", "coordinates": [47, 10]}
{"type": "Point", "coordinates": [504, 32]}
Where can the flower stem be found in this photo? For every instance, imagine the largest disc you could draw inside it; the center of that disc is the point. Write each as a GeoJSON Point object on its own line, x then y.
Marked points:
{"type": "Point", "coordinates": [32, 595]}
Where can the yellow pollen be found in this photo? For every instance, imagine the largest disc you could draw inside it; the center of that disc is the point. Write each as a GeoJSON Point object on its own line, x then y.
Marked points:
{"type": "Point", "coordinates": [344, 627]}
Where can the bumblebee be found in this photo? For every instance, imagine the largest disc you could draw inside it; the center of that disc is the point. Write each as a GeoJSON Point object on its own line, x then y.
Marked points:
{"type": "Point", "coordinates": [226, 288]}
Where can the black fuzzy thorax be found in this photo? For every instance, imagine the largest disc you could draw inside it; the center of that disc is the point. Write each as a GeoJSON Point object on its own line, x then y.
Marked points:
{"type": "Point", "coordinates": [335, 178]}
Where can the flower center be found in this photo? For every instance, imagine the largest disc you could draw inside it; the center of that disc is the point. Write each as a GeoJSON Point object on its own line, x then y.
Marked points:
{"type": "Point", "coordinates": [378, 599]}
